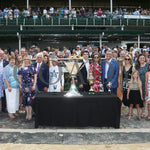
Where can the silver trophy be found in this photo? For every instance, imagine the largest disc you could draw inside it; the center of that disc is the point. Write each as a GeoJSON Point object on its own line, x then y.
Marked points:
{"type": "Point", "coordinates": [101, 88]}
{"type": "Point", "coordinates": [109, 87]}
{"type": "Point", "coordinates": [72, 68]}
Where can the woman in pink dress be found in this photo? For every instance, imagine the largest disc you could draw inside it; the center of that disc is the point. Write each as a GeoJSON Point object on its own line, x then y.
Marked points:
{"type": "Point", "coordinates": [96, 69]}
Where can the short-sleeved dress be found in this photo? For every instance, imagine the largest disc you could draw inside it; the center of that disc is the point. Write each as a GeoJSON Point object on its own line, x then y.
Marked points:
{"type": "Point", "coordinates": [134, 95]}
{"type": "Point", "coordinates": [27, 74]}
{"type": "Point", "coordinates": [142, 71]}
{"type": "Point", "coordinates": [97, 71]}
{"type": "Point", "coordinates": [125, 84]}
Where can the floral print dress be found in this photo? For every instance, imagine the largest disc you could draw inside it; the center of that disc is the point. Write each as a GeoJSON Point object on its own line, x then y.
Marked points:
{"type": "Point", "coordinates": [97, 71]}
{"type": "Point", "coordinates": [27, 74]}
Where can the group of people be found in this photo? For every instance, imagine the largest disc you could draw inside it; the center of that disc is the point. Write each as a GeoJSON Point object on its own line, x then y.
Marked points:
{"type": "Point", "coordinates": [64, 12]}
{"type": "Point", "coordinates": [23, 78]}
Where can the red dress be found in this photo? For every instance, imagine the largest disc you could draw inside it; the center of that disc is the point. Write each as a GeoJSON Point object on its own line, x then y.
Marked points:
{"type": "Point", "coordinates": [97, 71]}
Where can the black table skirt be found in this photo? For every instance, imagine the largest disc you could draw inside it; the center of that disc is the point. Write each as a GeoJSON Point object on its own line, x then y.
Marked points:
{"type": "Point", "coordinates": [90, 110]}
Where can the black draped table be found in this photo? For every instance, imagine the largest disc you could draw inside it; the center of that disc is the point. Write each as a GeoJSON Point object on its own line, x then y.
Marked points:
{"type": "Point", "coordinates": [53, 109]}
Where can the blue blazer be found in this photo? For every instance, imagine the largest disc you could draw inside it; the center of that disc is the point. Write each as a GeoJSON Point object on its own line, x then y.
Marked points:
{"type": "Point", "coordinates": [112, 74]}
{"type": "Point", "coordinates": [42, 77]}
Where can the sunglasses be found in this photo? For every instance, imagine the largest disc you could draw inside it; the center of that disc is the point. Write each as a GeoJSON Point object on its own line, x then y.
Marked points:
{"type": "Point", "coordinates": [127, 59]}
{"type": "Point", "coordinates": [96, 57]}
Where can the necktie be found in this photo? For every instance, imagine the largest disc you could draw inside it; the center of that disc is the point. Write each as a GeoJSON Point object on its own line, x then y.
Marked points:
{"type": "Point", "coordinates": [38, 68]}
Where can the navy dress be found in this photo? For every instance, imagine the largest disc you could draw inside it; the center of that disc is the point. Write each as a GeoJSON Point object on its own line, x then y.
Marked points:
{"type": "Point", "coordinates": [27, 74]}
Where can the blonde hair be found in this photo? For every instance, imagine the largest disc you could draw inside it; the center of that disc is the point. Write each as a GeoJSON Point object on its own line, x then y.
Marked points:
{"type": "Point", "coordinates": [26, 57]}
{"type": "Point", "coordinates": [132, 79]}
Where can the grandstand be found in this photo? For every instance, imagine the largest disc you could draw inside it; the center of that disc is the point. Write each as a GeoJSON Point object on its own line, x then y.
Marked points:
{"type": "Point", "coordinates": [56, 30]}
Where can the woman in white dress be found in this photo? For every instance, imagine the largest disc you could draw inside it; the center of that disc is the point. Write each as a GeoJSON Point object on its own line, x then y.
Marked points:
{"type": "Point", "coordinates": [56, 79]}
{"type": "Point", "coordinates": [11, 86]}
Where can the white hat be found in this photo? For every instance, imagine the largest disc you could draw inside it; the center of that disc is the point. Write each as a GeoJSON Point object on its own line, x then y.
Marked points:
{"type": "Point", "coordinates": [115, 49]}
{"type": "Point", "coordinates": [78, 45]}
{"type": "Point", "coordinates": [144, 49]}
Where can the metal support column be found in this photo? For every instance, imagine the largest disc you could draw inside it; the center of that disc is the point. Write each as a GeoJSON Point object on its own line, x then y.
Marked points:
{"type": "Point", "coordinates": [69, 4]}
{"type": "Point", "coordinates": [27, 4]}
{"type": "Point", "coordinates": [111, 6]}
{"type": "Point", "coordinates": [100, 40]}
{"type": "Point", "coordinates": [19, 38]}
{"type": "Point", "coordinates": [139, 41]}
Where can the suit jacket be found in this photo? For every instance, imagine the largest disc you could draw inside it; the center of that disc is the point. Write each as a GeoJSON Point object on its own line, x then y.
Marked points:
{"type": "Point", "coordinates": [82, 74]}
{"type": "Point", "coordinates": [112, 74]}
{"type": "Point", "coordinates": [42, 77]}
{"type": "Point", "coordinates": [5, 63]}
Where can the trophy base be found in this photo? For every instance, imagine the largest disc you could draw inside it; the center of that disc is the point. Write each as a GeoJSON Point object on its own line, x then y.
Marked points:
{"type": "Point", "coordinates": [73, 92]}
{"type": "Point", "coordinates": [91, 92]}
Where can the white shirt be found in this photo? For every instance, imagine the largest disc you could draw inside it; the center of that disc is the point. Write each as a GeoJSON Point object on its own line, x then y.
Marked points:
{"type": "Point", "coordinates": [78, 52]}
{"type": "Point", "coordinates": [87, 65]}
{"type": "Point", "coordinates": [107, 67]}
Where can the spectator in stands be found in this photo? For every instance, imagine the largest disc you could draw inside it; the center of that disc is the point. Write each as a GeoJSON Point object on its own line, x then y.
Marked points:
{"type": "Point", "coordinates": [135, 48]}
{"type": "Point", "coordinates": [95, 13]}
{"type": "Point", "coordinates": [56, 78]}
{"type": "Point", "coordinates": [82, 11]}
{"type": "Point", "coordinates": [66, 51]}
{"type": "Point", "coordinates": [99, 13]}
{"type": "Point", "coordinates": [44, 12]}
{"type": "Point", "coordinates": [90, 52]}
{"type": "Point", "coordinates": [16, 13]}
{"type": "Point", "coordinates": [3, 64]}
{"type": "Point", "coordinates": [136, 12]}
{"type": "Point", "coordinates": [124, 48]}
{"type": "Point", "coordinates": [5, 13]}
{"type": "Point", "coordinates": [16, 52]}
{"type": "Point", "coordinates": [73, 13]}
{"type": "Point", "coordinates": [45, 53]}
{"type": "Point", "coordinates": [1, 14]}
{"type": "Point", "coordinates": [27, 80]}
{"type": "Point", "coordinates": [136, 55]}
{"type": "Point", "coordinates": [74, 54]}
{"type": "Point", "coordinates": [122, 55]}
{"type": "Point", "coordinates": [23, 52]}
{"type": "Point", "coordinates": [147, 57]}
{"type": "Point", "coordinates": [110, 72]}
{"type": "Point", "coordinates": [42, 73]}
{"type": "Point", "coordinates": [78, 51]}
{"type": "Point", "coordinates": [104, 49]}
{"type": "Point", "coordinates": [142, 68]}
{"type": "Point", "coordinates": [11, 86]}
{"type": "Point", "coordinates": [51, 11]}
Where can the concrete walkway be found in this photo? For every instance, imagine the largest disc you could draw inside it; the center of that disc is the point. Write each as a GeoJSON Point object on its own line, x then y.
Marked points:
{"type": "Point", "coordinates": [145, 146]}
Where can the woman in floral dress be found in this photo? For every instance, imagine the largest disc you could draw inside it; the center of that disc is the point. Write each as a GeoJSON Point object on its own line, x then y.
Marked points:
{"type": "Point", "coordinates": [27, 79]}
{"type": "Point", "coordinates": [96, 70]}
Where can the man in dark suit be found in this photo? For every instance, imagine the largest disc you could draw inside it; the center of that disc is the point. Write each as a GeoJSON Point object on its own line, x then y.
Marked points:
{"type": "Point", "coordinates": [83, 73]}
{"type": "Point", "coordinates": [42, 73]}
{"type": "Point", "coordinates": [110, 72]}
{"type": "Point", "coordinates": [3, 63]}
